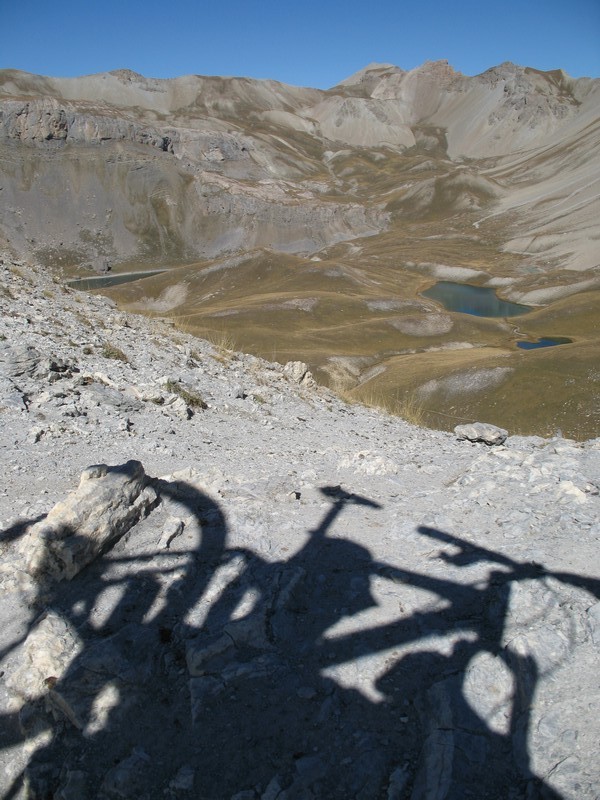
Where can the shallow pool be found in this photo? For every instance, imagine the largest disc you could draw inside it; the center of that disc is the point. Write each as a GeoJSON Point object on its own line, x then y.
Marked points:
{"type": "Point", "coordinates": [104, 281]}
{"type": "Point", "coordinates": [545, 341]}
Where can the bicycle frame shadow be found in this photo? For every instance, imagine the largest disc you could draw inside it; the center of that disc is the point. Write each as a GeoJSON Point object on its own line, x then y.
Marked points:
{"type": "Point", "coordinates": [209, 676]}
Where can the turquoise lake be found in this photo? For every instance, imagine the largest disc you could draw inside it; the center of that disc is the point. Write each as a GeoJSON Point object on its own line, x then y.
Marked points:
{"type": "Point", "coordinates": [475, 300]}
{"type": "Point", "coordinates": [545, 341]}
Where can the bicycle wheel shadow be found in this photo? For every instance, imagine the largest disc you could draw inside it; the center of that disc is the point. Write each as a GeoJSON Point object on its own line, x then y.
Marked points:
{"type": "Point", "coordinates": [110, 629]}
{"type": "Point", "coordinates": [210, 677]}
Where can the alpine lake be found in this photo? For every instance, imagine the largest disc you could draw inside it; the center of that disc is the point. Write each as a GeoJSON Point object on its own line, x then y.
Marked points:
{"type": "Point", "coordinates": [480, 301]}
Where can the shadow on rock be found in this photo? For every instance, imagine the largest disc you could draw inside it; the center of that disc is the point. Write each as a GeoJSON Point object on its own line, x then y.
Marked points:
{"type": "Point", "coordinates": [18, 529]}
{"type": "Point", "coordinates": [193, 669]}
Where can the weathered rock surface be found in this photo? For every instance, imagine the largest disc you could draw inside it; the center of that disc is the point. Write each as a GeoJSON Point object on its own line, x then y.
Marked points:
{"type": "Point", "coordinates": [298, 372]}
{"type": "Point", "coordinates": [293, 598]}
{"type": "Point", "coordinates": [481, 432]}
{"type": "Point", "coordinates": [107, 503]}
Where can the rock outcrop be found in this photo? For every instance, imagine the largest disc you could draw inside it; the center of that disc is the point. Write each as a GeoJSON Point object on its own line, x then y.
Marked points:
{"type": "Point", "coordinates": [480, 432]}
{"type": "Point", "coordinates": [107, 503]}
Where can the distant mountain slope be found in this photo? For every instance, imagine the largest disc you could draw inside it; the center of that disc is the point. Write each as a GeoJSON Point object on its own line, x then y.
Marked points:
{"type": "Point", "coordinates": [306, 223]}
{"type": "Point", "coordinates": [123, 166]}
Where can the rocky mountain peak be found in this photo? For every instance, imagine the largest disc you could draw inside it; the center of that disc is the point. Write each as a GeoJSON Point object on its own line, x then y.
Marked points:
{"type": "Point", "coordinates": [440, 69]}
{"type": "Point", "coordinates": [127, 75]}
{"type": "Point", "coordinates": [369, 74]}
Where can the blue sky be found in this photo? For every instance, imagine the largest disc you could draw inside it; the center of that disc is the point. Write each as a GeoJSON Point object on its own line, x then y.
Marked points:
{"type": "Point", "coordinates": [306, 43]}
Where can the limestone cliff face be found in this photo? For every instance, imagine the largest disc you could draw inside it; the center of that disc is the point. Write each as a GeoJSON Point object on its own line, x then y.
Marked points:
{"type": "Point", "coordinates": [124, 167]}
{"type": "Point", "coordinates": [46, 119]}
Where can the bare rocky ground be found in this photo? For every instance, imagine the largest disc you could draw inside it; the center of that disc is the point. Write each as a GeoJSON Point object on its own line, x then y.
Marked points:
{"type": "Point", "coordinates": [277, 595]}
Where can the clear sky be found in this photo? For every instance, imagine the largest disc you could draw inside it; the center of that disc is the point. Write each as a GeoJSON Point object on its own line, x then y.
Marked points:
{"type": "Point", "coordinates": [307, 42]}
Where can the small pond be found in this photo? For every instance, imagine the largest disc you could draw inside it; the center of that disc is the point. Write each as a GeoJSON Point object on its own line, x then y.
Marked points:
{"type": "Point", "coordinates": [475, 300]}
{"type": "Point", "coordinates": [545, 341]}
{"type": "Point", "coordinates": [104, 281]}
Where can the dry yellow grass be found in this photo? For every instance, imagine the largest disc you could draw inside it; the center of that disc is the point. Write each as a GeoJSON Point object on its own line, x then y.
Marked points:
{"type": "Point", "coordinates": [361, 301]}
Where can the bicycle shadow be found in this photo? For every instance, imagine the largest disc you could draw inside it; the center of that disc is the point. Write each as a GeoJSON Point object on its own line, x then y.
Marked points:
{"type": "Point", "coordinates": [209, 677]}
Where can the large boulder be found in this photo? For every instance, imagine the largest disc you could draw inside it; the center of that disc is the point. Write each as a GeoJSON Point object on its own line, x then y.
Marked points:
{"type": "Point", "coordinates": [298, 372]}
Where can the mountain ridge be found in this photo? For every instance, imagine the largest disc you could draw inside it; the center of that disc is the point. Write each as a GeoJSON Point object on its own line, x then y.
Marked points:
{"type": "Point", "coordinates": [386, 117]}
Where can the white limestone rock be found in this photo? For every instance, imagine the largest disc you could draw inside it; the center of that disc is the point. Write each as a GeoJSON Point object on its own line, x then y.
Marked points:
{"type": "Point", "coordinates": [298, 372]}
{"type": "Point", "coordinates": [108, 501]}
{"type": "Point", "coordinates": [481, 432]}
{"type": "Point", "coordinates": [50, 647]}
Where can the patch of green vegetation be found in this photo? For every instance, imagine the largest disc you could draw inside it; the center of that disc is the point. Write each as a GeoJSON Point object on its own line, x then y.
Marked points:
{"type": "Point", "coordinates": [18, 272]}
{"type": "Point", "coordinates": [191, 398]}
{"type": "Point", "coordinates": [112, 351]}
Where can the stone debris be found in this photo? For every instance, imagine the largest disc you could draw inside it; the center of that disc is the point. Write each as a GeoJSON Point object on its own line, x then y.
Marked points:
{"type": "Point", "coordinates": [10, 396]}
{"type": "Point", "coordinates": [126, 779]}
{"type": "Point", "coordinates": [398, 781]}
{"type": "Point", "coordinates": [593, 614]}
{"type": "Point", "coordinates": [313, 601]}
{"type": "Point", "coordinates": [75, 786]}
{"type": "Point", "coordinates": [184, 780]}
{"type": "Point", "coordinates": [19, 360]}
{"type": "Point", "coordinates": [481, 432]}
{"type": "Point", "coordinates": [172, 528]}
{"type": "Point", "coordinates": [298, 372]}
{"type": "Point", "coordinates": [51, 645]}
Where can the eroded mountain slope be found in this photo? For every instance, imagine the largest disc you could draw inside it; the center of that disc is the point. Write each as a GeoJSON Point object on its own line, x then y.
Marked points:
{"type": "Point", "coordinates": [306, 223]}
